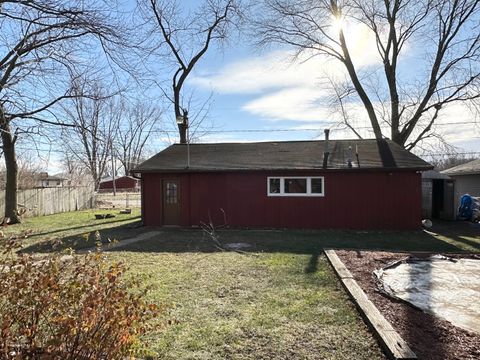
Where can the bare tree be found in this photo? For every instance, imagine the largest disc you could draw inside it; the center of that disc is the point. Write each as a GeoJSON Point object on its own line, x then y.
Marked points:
{"type": "Point", "coordinates": [138, 122]}
{"type": "Point", "coordinates": [446, 32]}
{"type": "Point", "coordinates": [29, 171]}
{"type": "Point", "coordinates": [450, 160]}
{"type": "Point", "coordinates": [186, 39]}
{"type": "Point", "coordinates": [40, 43]}
{"type": "Point", "coordinates": [96, 124]}
{"type": "Point", "coordinates": [74, 170]}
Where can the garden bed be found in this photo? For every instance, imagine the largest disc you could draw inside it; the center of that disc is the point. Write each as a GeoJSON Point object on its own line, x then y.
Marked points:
{"type": "Point", "coordinates": [429, 337]}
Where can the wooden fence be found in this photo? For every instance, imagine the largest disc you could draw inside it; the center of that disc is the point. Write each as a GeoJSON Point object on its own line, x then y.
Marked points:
{"type": "Point", "coordinates": [120, 200]}
{"type": "Point", "coordinates": [47, 201]}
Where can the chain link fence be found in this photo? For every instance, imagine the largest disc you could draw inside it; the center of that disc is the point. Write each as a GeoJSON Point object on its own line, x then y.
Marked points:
{"type": "Point", "coordinates": [120, 200]}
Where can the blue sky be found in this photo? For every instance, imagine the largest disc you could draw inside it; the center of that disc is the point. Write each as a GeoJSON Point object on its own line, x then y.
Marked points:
{"type": "Point", "coordinates": [266, 90]}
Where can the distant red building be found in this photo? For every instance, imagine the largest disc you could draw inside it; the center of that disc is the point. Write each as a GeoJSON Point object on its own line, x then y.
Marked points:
{"type": "Point", "coordinates": [339, 184]}
{"type": "Point", "coordinates": [123, 183]}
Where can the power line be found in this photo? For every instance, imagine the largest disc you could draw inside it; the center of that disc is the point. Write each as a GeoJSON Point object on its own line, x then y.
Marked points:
{"type": "Point", "coordinates": [159, 131]}
{"type": "Point", "coordinates": [459, 123]}
{"type": "Point", "coordinates": [82, 151]}
{"type": "Point", "coordinates": [452, 153]}
{"type": "Point", "coordinates": [306, 129]}
{"type": "Point", "coordinates": [254, 130]}
{"type": "Point", "coordinates": [301, 129]}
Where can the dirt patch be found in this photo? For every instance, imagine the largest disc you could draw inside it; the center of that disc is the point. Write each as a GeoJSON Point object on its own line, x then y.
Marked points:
{"type": "Point", "coordinates": [428, 336]}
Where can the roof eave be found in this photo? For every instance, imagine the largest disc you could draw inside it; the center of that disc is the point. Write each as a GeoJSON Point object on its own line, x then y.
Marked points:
{"type": "Point", "coordinates": [462, 173]}
{"type": "Point", "coordinates": [356, 169]}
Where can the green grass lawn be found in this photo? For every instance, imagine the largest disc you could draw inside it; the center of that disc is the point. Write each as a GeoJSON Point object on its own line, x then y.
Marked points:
{"type": "Point", "coordinates": [250, 306]}
{"type": "Point", "coordinates": [278, 300]}
{"type": "Point", "coordinates": [460, 238]}
{"type": "Point", "coordinates": [77, 229]}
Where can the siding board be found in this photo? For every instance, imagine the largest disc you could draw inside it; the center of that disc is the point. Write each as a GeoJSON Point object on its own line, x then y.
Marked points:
{"type": "Point", "coordinates": [370, 200]}
{"type": "Point", "coordinates": [121, 183]}
{"type": "Point", "coordinates": [466, 184]}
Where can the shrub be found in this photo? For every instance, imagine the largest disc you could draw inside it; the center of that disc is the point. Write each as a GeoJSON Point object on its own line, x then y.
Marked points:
{"type": "Point", "coordinates": [68, 307]}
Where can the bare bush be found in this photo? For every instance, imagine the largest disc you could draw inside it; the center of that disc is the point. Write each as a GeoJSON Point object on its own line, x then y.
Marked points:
{"type": "Point", "coordinates": [68, 307]}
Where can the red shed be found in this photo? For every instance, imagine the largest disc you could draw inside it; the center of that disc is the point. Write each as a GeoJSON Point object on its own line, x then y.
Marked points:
{"type": "Point", "coordinates": [122, 183]}
{"type": "Point", "coordinates": [336, 184]}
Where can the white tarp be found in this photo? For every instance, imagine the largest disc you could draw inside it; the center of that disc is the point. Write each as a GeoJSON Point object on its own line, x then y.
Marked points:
{"type": "Point", "coordinates": [449, 288]}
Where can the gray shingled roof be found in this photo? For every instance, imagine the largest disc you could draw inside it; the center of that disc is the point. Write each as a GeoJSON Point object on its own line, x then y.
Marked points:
{"type": "Point", "coordinates": [434, 175]}
{"type": "Point", "coordinates": [282, 155]}
{"type": "Point", "coordinates": [469, 168]}
{"type": "Point", "coordinates": [109, 178]}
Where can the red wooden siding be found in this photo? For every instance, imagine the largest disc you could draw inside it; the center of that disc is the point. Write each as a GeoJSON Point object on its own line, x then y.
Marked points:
{"type": "Point", "coordinates": [355, 200]}
{"type": "Point", "coordinates": [120, 183]}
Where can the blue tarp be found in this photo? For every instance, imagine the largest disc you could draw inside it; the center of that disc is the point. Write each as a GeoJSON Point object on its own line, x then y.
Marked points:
{"type": "Point", "coordinates": [468, 205]}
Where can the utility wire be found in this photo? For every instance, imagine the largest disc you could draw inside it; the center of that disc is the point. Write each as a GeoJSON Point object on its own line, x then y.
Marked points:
{"type": "Point", "coordinates": [81, 151]}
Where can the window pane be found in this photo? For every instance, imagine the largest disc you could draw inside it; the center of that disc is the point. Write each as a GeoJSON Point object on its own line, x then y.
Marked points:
{"type": "Point", "coordinates": [274, 186]}
{"type": "Point", "coordinates": [295, 186]}
{"type": "Point", "coordinates": [317, 186]}
{"type": "Point", "coordinates": [171, 195]}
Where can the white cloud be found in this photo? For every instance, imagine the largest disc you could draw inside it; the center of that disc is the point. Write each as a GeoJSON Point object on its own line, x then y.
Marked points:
{"type": "Point", "coordinates": [288, 87]}
{"type": "Point", "coordinates": [458, 124]}
{"type": "Point", "coordinates": [258, 74]}
{"type": "Point", "coordinates": [295, 103]}
{"type": "Point", "coordinates": [281, 69]}
{"type": "Point", "coordinates": [287, 90]}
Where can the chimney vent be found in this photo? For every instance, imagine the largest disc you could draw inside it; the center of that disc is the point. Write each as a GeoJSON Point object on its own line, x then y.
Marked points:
{"type": "Point", "coordinates": [326, 152]}
{"type": "Point", "coordinates": [349, 160]}
{"type": "Point", "coordinates": [356, 154]}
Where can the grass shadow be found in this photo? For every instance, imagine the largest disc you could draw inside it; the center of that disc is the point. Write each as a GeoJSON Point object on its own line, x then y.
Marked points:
{"type": "Point", "coordinates": [444, 237]}
{"type": "Point", "coordinates": [100, 222]}
{"type": "Point", "coordinates": [82, 240]}
{"type": "Point", "coordinates": [462, 234]}
{"type": "Point", "coordinates": [312, 265]}
{"type": "Point", "coordinates": [301, 241]}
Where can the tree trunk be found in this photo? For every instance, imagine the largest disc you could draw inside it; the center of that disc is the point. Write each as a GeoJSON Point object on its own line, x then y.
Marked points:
{"type": "Point", "coordinates": [8, 141]}
{"type": "Point", "coordinates": [182, 129]}
{"type": "Point", "coordinates": [96, 182]}
{"type": "Point", "coordinates": [397, 137]}
{"type": "Point", "coordinates": [359, 88]}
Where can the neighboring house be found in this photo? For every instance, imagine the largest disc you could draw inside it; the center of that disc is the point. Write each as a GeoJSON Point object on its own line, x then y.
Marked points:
{"type": "Point", "coordinates": [122, 183]}
{"type": "Point", "coordinates": [437, 196]}
{"type": "Point", "coordinates": [77, 179]}
{"type": "Point", "coordinates": [467, 179]}
{"type": "Point", "coordinates": [44, 180]}
{"type": "Point", "coordinates": [293, 184]}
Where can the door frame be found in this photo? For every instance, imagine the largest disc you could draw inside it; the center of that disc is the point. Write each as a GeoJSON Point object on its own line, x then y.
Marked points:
{"type": "Point", "coordinates": [179, 209]}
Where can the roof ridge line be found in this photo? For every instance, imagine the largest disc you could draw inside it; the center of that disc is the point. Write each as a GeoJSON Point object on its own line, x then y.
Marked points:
{"type": "Point", "coordinates": [275, 141]}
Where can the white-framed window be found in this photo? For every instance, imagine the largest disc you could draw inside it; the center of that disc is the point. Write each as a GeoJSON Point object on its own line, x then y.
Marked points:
{"type": "Point", "coordinates": [295, 186]}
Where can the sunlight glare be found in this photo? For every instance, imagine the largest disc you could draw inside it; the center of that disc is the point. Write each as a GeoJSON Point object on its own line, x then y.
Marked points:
{"type": "Point", "coordinates": [338, 23]}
